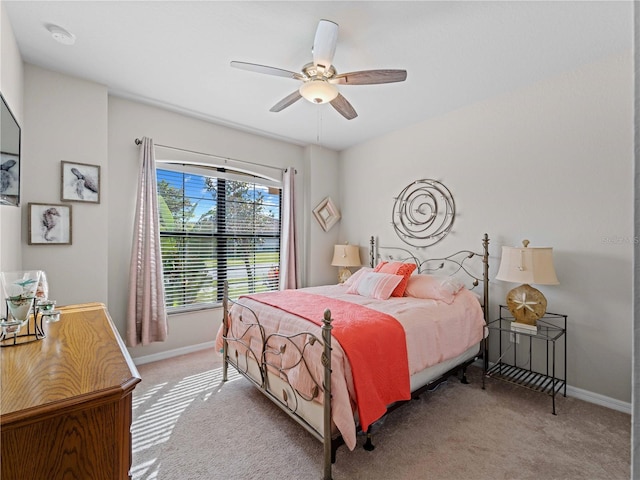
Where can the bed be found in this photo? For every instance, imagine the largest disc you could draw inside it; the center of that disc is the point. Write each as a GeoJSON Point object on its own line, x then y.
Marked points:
{"type": "Point", "coordinates": [337, 358]}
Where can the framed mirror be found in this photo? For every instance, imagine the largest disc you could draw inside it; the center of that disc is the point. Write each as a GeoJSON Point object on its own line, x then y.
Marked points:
{"type": "Point", "coordinates": [9, 156]}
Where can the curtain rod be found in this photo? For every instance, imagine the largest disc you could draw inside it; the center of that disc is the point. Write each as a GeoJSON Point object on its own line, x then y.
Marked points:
{"type": "Point", "coordinates": [138, 142]}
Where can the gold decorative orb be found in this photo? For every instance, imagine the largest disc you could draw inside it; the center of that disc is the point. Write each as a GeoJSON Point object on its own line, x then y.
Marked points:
{"type": "Point", "coordinates": [526, 304]}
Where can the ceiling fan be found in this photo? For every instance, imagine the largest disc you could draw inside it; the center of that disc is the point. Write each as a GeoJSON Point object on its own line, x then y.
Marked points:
{"type": "Point", "coordinates": [320, 76]}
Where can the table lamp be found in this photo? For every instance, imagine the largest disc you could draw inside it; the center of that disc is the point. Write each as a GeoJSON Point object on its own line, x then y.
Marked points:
{"type": "Point", "coordinates": [527, 265]}
{"type": "Point", "coordinates": [345, 256]}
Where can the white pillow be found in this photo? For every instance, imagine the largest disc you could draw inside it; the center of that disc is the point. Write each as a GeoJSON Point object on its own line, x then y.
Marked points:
{"type": "Point", "coordinates": [434, 287]}
{"type": "Point", "coordinates": [453, 284]}
{"type": "Point", "coordinates": [375, 285]}
{"type": "Point", "coordinates": [354, 278]}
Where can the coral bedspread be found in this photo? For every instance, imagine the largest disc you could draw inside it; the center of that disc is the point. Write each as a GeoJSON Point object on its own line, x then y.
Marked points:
{"type": "Point", "coordinates": [434, 332]}
{"type": "Point", "coordinates": [378, 380]}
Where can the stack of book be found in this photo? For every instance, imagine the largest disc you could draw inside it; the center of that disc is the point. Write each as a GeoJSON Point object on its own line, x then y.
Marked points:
{"type": "Point", "coordinates": [524, 328]}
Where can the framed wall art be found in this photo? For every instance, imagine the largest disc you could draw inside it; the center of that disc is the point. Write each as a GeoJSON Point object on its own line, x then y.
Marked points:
{"type": "Point", "coordinates": [327, 214]}
{"type": "Point", "coordinates": [49, 224]}
{"type": "Point", "coordinates": [9, 179]}
{"type": "Point", "coordinates": [9, 156]}
{"type": "Point", "coordinates": [80, 182]}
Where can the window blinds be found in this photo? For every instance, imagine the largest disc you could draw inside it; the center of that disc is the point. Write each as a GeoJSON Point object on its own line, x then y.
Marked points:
{"type": "Point", "coordinates": [214, 228]}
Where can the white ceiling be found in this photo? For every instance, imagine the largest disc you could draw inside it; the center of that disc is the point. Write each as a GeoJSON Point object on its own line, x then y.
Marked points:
{"type": "Point", "coordinates": [176, 54]}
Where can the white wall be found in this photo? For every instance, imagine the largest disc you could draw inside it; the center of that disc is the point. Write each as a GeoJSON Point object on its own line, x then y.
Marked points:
{"type": "Point", "coordinates": [551, 163]}
{"type": "Point", "coordinates": [321, 177]}
{"type": "Point", "coordinates": [66, 119]}
{"type": "Point", "coordinates": [11, 86]}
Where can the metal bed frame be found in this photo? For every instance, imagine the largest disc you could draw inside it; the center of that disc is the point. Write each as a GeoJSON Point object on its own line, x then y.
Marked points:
{"type": "Point", "coordinates": [269, 372]}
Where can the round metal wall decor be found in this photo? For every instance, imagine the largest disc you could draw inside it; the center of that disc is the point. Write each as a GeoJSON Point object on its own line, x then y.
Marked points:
{"type": "Point", "coordinates": [423, 213]}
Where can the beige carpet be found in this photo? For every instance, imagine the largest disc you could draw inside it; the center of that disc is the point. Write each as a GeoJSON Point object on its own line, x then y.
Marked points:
{"type": "Point", "coordinates": [189, 425]}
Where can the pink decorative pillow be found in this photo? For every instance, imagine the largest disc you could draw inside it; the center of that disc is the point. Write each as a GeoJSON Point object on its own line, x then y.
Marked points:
{"type": "Point", "coordinates": [433, 287]}
{"type": "Point", "coordinates": [375, 285]}
{"type": "Point", "coordinates": [354, 278]}
{"type": "Point", "coordinates": [397, 268]}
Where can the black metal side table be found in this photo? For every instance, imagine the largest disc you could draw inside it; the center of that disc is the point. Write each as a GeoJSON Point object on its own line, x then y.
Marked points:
{"type": "Point", "coordinates": [544, 379]}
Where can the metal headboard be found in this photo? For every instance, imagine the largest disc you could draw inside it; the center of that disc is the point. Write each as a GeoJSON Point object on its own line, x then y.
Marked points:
{"type": "Point", "coordinates": [464, 263]}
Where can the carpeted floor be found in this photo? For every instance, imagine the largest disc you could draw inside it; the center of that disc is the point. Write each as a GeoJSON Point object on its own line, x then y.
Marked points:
{"type": "Point", "coordinates": [189, 425]}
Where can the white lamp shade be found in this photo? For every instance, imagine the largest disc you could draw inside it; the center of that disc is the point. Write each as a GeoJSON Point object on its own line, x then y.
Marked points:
{"type": "Point", "coordinates": [318, 91]}
{"type": "Point", "coordinates": [530, 265]}
{"type": "Point", "coordinates": [346, 256]}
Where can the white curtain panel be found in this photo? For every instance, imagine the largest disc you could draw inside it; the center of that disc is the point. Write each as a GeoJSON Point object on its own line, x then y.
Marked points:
{"type": "Point", "coordinates": [288, 267]}
{"type": "Point", "coordinates": [147, 316]}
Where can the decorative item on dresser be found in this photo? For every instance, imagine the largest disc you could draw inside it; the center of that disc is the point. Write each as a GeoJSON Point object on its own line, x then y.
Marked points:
{"type": "Point", "coordinates": [25, 295]}
{"type": "Point", "coordinates": [345, 256]}
{"type": "Point", "coordinates": [18, 294]}
{"type": "Point", "coordinates": [283, 342]}
{"type": "Point", "coordinates": [527, 265]}
{"type": "Point", "coordinates": [66, 401]}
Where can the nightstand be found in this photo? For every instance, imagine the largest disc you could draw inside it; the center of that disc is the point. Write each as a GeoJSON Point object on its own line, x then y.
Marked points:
{"type": "Point", "coordinates": [518, 368]}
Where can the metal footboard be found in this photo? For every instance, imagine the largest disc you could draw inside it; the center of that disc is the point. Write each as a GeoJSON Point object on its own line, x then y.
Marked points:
{"type": "Point", "coordinates": [262, 359]}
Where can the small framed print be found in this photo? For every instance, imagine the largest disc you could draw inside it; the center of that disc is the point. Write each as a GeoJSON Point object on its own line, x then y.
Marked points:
{"type": "Point", "coordinates": [49, 224]}
{"type": "Point", "coordinates": [9, 179]}
{"type": "Point", "coordinates": [327, 214]}
{"type": "Point", "coordinates": [80, 182]}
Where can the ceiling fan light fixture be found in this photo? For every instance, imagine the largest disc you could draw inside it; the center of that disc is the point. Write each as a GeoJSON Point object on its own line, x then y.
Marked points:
{"type": "Point", "coordinates": [318, 91]}
{"type": "Point", "coordinates": [320, 76]}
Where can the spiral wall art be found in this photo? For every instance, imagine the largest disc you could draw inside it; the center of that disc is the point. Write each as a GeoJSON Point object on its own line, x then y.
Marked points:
{"type": "Point", "coordinates": [423, 213]}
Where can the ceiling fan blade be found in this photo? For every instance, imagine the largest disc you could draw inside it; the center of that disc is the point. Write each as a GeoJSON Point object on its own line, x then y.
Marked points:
{"type": "Point", "coordinates": [324, 43]}
{"type": "Point", "coordinates": [370, 77]}
{"type": "Point", "coordinates": [343, 107]}
{"type": "Point", "coordinates": [254, 67]}
{"type": "Point", "coordinates": [286, 101]}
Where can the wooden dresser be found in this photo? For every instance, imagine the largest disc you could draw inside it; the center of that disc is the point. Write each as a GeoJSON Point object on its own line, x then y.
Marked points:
{"type": "Point", "coordinates": [66, 401]}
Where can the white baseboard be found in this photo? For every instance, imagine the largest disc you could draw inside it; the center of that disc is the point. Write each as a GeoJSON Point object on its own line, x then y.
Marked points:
{"type": "Point", "coordinates": [154, 357]}
{"type": "Point", "coordinates": [588, 396]}
{"type": "Point", "coordinates": [598, 399]}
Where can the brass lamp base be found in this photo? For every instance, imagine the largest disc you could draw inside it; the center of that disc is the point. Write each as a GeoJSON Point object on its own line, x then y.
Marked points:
{"type": "Point", "coordinates": [343, 274]}
{"type": "Point", "coordinates": [526, 304]}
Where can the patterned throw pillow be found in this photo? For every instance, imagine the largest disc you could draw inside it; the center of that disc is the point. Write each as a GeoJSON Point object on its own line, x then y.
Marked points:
{"type": "Point", "coordinates": [397, 268]}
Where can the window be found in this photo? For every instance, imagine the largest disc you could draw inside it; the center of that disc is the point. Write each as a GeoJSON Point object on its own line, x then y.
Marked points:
{"type": "Point", "coordinates": [216, 225]}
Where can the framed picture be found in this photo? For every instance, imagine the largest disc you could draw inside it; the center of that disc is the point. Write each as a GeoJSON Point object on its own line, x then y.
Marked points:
{"type": "Point", "coordinates": [80, 182]}
{"type": "Point", "coordinates": [9, 156]}
{"type": "Point", "coordinates": [9, 179]}
{"type": "Point", "coordinates": [49, 224]}
{"type": "Point", "coordinates": [327, 214]}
